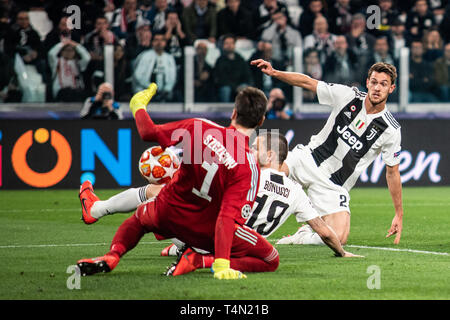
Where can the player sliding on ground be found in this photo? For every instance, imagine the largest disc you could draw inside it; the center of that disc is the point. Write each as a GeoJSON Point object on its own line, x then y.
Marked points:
{"type": "Point", "coordinates": [206, 203]}
{"type": "Point", "coordinates": [278, 198]}
{"type": "Point", "coordinates": [359, 128]}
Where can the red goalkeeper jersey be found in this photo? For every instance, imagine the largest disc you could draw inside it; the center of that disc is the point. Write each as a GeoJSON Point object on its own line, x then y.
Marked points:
{"type": "Point", "coordinates": [215, 186]}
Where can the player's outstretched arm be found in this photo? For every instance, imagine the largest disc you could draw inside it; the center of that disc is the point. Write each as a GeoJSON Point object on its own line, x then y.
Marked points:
{"type": "Point", "coordinates": [223, 241]}
{"type": "Point", "coordinates": [138, 106]}
{"type": "Point", "coordinates": [395, 188]}
{"type": "Point", "coordinates": [329, 237]}
{"type": "Point", "coordinates": [147, 129]}
{"type": "Point", "coordinates": [292, 78]}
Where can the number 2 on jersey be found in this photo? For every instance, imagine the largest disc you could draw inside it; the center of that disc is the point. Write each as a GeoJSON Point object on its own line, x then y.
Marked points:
{"type": "Point", "coordinates": [211, 169]}
{"type": "Point", "coordinates": [343, 202]}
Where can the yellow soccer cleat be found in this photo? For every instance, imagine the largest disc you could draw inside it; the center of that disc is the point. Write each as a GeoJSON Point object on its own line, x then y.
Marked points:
{"type": "Point", "coordinates": [142, 98]}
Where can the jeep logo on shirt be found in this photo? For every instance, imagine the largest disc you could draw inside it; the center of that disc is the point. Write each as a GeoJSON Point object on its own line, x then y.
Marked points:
{"type": "Point", "coordinates": [348, 136]}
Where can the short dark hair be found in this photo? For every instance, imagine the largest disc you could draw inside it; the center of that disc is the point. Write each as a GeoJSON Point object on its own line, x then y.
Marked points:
{"type": "Point", "coordinates": [382, 38]}
{"type": "Point", "coordinates": [279, 10]}
{"type": "Point", "coordinates": [228, 35]}
{"type": "Point", "coordinates": [171, 10]}
{"type": "Point", "coordinates": [251, 106]}
{"type": "Point", "coordinates": [276, 142]}
{"type": "Point", "coordinates": [387, 68]}
{"type": "Point", "coordinates": [101, 17]}
{"type": "Point", "coordinates": [158, 33]}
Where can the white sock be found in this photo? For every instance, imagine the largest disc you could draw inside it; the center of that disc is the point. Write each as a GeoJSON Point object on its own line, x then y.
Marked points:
{"type": "Point", "coordinates": [123, 202]}
{"type": "Point", "coordinates": [306, 235]}
{"type": "Point", "coordinates": [178, 243]}
{"type": "Point", "coordinates": [312, 238]}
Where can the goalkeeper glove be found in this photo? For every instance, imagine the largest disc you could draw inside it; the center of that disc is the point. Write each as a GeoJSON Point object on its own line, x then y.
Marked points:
{"type": "Point", "coordinates": [222, 270]}
{"type": "Point", "coordinates": [141, 99]}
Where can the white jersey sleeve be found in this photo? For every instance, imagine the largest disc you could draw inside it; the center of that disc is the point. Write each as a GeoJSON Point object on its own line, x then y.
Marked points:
{"type": "Point", "coordinates": [390, 150]}
{"type": "Point", "coordinates": [303, 209]}
{"type": "Point", "coordinates": [334, 95]}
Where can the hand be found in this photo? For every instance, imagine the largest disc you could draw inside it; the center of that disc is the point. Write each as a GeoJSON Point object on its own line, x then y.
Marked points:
{"type": "Point", "coordinates": [170, 26]}
{"type": "Point", "coordinates": [109, 7]}
{"type": "Point", "coordinates": [107, 36]}
{"type": "Point", "coordinates": [180, 32]}
{"type": "Point", "coordinates": [264, 66]}
{"type": "Point", "coordinates": [204, 75]}
{"type": "Point", "coordinates": [178, 27]}
{"type": "Point", "coordinates": [108, 104]}
{"type": "Point", "coordinates": [351, 255]}
{"type": "Point", "coordinates": [141, 99]}
{"type": "Point", "coordinates": [222, 270]}
{"type": "Point", "coordinates": [30, 56]}
{"type": "Point", "coordinates": [131, 16]}
{"type": "Point", "coordinates": [396, 228]}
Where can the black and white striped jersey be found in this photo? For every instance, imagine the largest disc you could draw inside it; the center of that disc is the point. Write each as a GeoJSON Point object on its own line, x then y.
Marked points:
{"type": "Point", "coordinates": [278, 197]}
{"type": "Point", "coordinates": [351, 139]}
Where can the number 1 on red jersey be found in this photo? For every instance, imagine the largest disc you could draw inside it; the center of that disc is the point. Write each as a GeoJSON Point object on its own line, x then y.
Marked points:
{"type": "Point", "coordinates": [211, 170]}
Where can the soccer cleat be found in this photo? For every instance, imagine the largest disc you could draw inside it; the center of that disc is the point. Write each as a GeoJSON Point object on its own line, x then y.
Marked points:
{"type": "Point", "coordinates": [98, 265]}
{"type": "Point", "coordinates": [87, 199]}
{"type": "Point", "coordinates": [296, 238]}
{"type": "Point", "coordinates": [170, 250]}
{"type": "Point", "coordinates": [185, 263]}
{"type": "Point", "coordinates": [141, 99]}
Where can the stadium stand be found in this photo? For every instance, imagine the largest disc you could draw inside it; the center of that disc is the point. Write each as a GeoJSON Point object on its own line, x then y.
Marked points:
{"type": "Point", "coordinates": [31, 29]}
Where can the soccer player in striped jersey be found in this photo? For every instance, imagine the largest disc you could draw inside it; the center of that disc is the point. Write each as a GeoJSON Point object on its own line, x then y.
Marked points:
{"type": "Point", "coordinates": [206, 203]}
{"type": "Point", "coordinates": [278, 198]}
{"type": "Point", "coordinates": [359, 128]}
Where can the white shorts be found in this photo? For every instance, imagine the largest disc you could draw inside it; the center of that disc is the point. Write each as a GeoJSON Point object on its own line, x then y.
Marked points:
{"type": "Point", "coordinates": [326, 197]}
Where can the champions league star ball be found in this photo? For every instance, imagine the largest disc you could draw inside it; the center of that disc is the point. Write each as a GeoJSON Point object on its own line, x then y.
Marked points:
{"type": "Point", "coordinates": [157, 165]}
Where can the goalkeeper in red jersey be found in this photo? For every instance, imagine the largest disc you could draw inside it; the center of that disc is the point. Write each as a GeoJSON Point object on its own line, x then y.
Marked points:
{"type": "Point", "coordinates": [209, 199]}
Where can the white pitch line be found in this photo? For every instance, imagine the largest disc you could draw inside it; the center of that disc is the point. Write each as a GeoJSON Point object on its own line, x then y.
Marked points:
{"type": "Point", "coordinates": [419, 204]}
{"type": "Point", "coordinates": [38, 210]}
{"type": "Point", "coordinates": [67, 245]}
{"type": "Point", "coordinates": [399, 250]}
{"type": "Point", "coordinates": [388, 249]}
{"type": "Point", "coordinates": [378, 204]}
{"type": "Point", "coordinates": [167, 241]}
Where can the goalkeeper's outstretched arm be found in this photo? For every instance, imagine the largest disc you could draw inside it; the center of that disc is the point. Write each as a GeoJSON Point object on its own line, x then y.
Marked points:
{"type": "Point", "coordinates": [138, 106]}
{"type": "Point", "coordinates": [141, 99]}
{"type": "Point", "coordinates": [165, 134]}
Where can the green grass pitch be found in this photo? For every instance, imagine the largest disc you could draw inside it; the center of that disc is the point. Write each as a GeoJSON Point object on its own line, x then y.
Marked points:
{"type": "Point", "coordinates": [41, 235]}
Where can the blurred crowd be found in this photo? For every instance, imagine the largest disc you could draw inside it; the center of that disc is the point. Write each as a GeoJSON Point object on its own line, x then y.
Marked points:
{"type": "Point", "coordinates": [48, 53]}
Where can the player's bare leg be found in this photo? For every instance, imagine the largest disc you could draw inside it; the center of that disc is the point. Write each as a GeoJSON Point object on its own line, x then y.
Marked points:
{"type": "Point", "coordinates": [338, 221]}
{"type": "Point", "coordinates": [126, 238]}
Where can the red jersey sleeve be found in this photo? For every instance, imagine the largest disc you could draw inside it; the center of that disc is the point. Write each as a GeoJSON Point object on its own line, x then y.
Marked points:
{"type": "Point", "coordinates": [236, 206]}
{"type": "Point", "coordinates": [167, 134]}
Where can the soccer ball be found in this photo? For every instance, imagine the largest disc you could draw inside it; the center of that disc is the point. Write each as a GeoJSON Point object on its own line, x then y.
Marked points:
{"type": "Point", "coordinates": [157, 165]}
